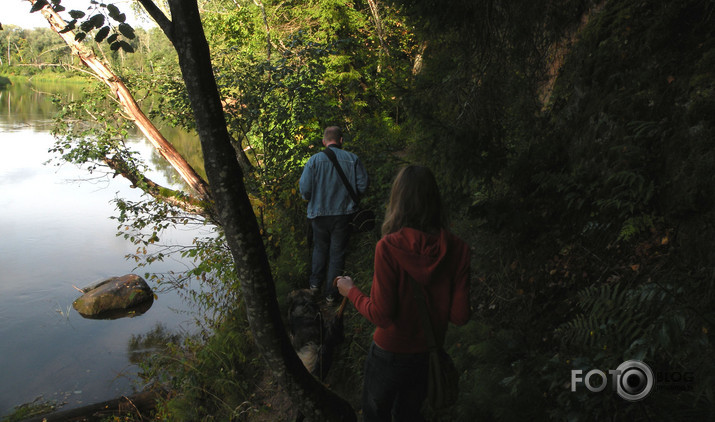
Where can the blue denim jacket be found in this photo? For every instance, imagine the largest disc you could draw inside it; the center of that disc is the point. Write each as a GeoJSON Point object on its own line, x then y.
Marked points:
{"type": "Point", "coordinates": [320, 183]}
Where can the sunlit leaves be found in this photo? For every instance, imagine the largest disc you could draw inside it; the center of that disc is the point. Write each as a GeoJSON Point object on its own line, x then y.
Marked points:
{"type": "Point", "coordinates": [126, 30]}
{"type": "Point", "coordinates": [101, 34]}
{"type": "Point", "coordinates": [69, 27]}
{"type": "Point", "coordinates": [38, 5]}
{"type": "Point", "coordinates": [115, 14]}
{"type": "Point", "coordinates": [121, 45]}
{"type": "Point", "coordinates": [106, 19]}
{"type": "Point", "coordinates": [77, 14]}
{"type": "Point", "coordinates": [97, 21]}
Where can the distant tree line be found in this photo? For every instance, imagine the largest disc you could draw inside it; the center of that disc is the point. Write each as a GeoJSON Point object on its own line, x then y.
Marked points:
{"type": "Point", "coordinates": [25, 51]}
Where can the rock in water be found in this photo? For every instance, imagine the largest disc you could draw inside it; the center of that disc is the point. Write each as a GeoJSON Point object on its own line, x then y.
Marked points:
{"type": "Point", "coordinates": [115, 297]}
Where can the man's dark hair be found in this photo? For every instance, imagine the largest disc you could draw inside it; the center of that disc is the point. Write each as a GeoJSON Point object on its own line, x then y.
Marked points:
{"type": "Point", "coordinates": [332, 133]}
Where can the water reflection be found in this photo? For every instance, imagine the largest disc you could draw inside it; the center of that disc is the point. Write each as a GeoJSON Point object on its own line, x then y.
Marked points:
{"type": "Point", "coordinates": [55, 232]}
{"type": "Point", "coordinates": [29, 104]}
{"type": "Point", "coordinates": [132, 312]}
{"type": "Point", "coordinates": [142, 346]}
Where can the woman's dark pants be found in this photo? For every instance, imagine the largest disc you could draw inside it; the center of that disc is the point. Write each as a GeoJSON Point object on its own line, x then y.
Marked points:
{"type": "Point", "coordinates": [395, 386]}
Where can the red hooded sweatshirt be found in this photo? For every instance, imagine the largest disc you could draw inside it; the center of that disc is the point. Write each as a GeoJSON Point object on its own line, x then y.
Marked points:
{"type": "Point", "coordinates": [439, 263]}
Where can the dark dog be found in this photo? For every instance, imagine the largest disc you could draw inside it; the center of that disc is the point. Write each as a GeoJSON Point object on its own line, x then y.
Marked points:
{"type": "Point", "coordinates": [314, 340]}
{"type": "Point", "coordinates": [314, 333]}
{"type": "Point", "coordinates": [305, 327]}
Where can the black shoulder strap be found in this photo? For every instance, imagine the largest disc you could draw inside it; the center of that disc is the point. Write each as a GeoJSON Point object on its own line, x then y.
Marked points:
{"type": "Point", "coordinates": [426, 323]}
{"type": "Point", "coordinates": [349, 187]}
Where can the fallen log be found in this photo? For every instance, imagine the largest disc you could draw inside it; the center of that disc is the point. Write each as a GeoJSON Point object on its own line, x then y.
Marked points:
{"type": "Point", "coordinates": [140, 405]}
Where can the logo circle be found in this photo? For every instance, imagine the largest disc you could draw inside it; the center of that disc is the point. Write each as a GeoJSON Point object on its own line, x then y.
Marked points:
{"type": "Point", "coordinates": [634, 380]}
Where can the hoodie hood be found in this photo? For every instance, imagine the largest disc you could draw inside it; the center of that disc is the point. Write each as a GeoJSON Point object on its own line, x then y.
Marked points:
{"type": "Point", "coordinates": [422, 255]}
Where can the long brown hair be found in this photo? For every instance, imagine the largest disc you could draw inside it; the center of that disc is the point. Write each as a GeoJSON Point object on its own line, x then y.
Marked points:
{"type": "Point", "coordinates": [415, 202]}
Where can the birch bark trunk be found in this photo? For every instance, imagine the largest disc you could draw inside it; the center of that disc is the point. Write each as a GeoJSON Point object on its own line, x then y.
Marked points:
{"type": "Point", "coordinates": [105, 74]}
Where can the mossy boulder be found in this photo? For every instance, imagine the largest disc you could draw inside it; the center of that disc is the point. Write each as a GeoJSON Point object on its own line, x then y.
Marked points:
{"type": "Point", "coordinates": [115, 297]}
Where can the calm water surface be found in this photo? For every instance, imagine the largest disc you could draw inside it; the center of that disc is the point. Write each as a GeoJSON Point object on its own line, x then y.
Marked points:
{"type": "Point", "coordinates": [55, 232]}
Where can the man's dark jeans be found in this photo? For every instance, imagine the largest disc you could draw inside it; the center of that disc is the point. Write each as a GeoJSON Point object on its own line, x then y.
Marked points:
{"type": "Point", "coordinates": [331, 235]}
{"type": "Point", "coordinates": [395, 386]}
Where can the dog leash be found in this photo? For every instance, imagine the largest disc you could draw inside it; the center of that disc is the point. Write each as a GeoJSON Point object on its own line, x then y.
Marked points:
{"type": "Point", "coordinates": [341, 309]}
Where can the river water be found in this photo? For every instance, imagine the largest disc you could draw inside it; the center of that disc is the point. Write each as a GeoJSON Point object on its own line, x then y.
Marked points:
{"type": "Point", "coordinates": [55, 233]}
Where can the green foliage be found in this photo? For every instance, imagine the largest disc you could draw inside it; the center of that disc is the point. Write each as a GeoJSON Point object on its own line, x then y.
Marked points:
{"type": "Point", "coordinates": [210, 284]}
{"type": "Point", "coordinates": [102, 17]}
{"type": "Point", "coordinates": [613, 317]}
{"type": "Point", "coordinates": [40, 50]}
{"type": "Point", "coordinates": [88, 141]}
{"type": "Point", "coordinates": [575, 203]}
{"type": "Point", "coordinates": [637, 172]}
{"type": "Point", "coordinates": [476, 100]}
{"type": "Point", "coordinates": [141, 346]}
{"type": "Point", "coordinates": [30, 52]}
{"type": "Point", "coordinates": [280, 96]}
{"type": "Point", "coordinates": [646, 322]}
{"type": "Point", "coordinates": [211, 378]}
{"type": "Point", "coordinates": [495, 383]}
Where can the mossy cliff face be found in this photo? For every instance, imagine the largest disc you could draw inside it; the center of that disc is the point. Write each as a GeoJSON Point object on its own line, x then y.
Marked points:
{"type": "Point", "coordinates": [613, 255]}
{"type": "Point", "coordinates": [634, 108]}
{"type": "Point", "coordinates": [632, 118]}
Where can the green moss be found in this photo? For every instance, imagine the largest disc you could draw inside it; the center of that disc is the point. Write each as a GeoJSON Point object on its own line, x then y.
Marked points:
{"type": "Point", "coordinates": [27, 410]}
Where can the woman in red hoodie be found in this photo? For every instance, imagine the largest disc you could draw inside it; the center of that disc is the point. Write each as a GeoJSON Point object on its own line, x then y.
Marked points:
{"type": "Point", "coordinates": [415, 244]}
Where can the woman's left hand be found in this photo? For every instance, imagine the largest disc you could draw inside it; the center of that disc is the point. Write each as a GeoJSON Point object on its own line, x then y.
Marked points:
{"type": "Point", "coordinates": [344, 284]}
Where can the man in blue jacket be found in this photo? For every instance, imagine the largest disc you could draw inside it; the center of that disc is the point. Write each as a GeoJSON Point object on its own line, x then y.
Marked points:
{"type": "Point", "coordinates": [329, 209]}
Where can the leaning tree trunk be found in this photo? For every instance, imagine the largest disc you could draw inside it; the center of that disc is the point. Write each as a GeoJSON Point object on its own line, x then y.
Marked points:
{"type": "Point", "coordinates": [237, 217]}
{"type": "Point", "coordinates": [115, 84]}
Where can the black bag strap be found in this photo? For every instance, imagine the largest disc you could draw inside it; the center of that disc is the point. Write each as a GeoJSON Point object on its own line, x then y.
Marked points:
{"type": "Point", "coordinates": [347, 184]}
{"type": "Point", "coordinates": [426, 323]}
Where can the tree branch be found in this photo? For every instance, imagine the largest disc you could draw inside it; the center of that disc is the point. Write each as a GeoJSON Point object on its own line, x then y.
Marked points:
{"type": "Point", "coordinates": [378, 25]}
{"type": "Point", "coordinates": [265, 24]}
{"type": "Point", "coordinates": [170, 196]}
{"type": "Point", "coordinates": [159, 17]}
{"type": "Point", "coordinates": [153, 135]}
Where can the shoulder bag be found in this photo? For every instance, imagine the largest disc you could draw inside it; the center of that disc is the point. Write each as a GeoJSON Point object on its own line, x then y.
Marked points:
{"type": "Point", "coordinates": [363, 220]}
{"type": "Point", "coordinates": [443, 378]}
